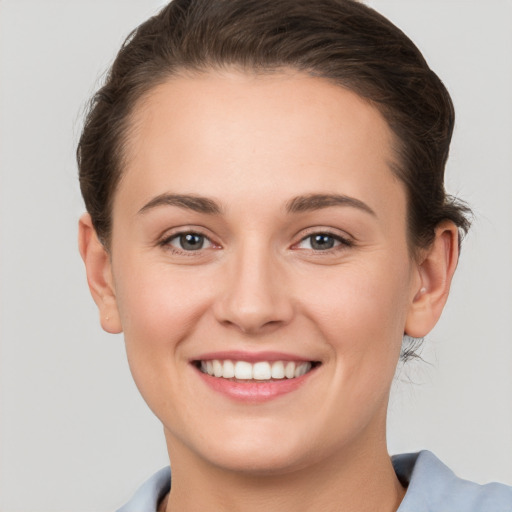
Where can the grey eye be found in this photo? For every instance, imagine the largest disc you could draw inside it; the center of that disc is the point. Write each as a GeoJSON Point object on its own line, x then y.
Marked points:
{"type": "Point", "coordinates": [189, 241]}
{"type": "Point", "coordinates": [321, 241]}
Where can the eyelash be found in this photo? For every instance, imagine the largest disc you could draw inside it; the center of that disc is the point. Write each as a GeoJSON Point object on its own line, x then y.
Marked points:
{"type": "Point", "coordinates": [342, 242]}
{"type": "Point", "coordinates": [166, 243]}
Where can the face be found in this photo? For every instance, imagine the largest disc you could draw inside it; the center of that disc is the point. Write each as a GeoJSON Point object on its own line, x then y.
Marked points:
{"type": "Point", "coordinates": [259, 235]}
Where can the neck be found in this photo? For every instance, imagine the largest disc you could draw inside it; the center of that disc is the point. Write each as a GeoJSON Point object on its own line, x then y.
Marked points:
{"type": "Point", "coordinates": [357, 480]}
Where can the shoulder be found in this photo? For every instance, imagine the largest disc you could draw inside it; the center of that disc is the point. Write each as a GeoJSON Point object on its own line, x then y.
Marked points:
{"type": "Point", "coordinates": [150, 493]}
{"type": "Point", "coordinates": [433, 487]}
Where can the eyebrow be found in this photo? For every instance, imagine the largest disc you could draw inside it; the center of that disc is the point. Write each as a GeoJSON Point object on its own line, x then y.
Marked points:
{"type": "Point", "coordinates": [187, 201]}
{"type": "Point", "coordinates": [298, 204]}
{"type": "Point", "coordinates": [313, 202]}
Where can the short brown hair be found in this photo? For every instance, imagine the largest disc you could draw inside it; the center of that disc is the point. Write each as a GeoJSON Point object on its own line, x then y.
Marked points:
{"type": "Point", "coordinates": [341, 40]}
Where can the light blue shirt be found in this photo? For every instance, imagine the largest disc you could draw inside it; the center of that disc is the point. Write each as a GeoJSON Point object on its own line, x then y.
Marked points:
{"type": "Point", "coordinates": [431, 487]}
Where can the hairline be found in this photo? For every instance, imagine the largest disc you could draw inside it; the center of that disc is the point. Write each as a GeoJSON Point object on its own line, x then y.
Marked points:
{"type": "Point", "coordinates": [135, 115]}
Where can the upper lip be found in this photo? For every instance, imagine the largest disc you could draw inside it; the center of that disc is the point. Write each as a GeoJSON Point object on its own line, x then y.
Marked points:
{"type": "Point", "coordinates": [251, 357]}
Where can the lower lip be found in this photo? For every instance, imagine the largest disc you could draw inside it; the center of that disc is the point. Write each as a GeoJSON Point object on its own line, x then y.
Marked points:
{"type": "Point", "coordinates": [254, 391]}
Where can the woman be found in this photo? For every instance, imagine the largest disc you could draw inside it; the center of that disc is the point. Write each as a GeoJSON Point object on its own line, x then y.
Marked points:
{"type": "Point", "coordinates": [266, 222]}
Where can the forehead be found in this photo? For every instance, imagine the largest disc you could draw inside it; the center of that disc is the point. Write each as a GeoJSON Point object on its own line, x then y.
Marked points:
{"type": "Point", "coordinates": [229, 135]}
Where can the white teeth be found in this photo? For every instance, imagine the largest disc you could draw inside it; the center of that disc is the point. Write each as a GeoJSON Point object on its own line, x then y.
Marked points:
{"type": "Point", "coordinates": [302, 369]}
{"type": "Point", "coordinates": [229, 369]}
{"type": "Point", "coordinates": [277, 371]}
{"type": "Point", "coordinates": [262, 370]}
{"type": "Point", "coordinates": [289, 370]}
{"type": "Point", "coordinates": [218, 369]}
{"type": "Point", "coordinates": [243, 370]}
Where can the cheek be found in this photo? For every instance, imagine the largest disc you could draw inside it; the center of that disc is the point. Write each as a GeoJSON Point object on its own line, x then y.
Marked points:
{"type": "Point", "coordinates": [159, 309]}
{"type": "Point", "coordinates": [361, 313]}
{"type": "Point", "coordinates": [361, 310]}
{"type": "Point", "coordinates": [152, 298]}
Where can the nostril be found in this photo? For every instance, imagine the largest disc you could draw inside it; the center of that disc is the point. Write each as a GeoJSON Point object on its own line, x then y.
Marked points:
{"type": "Point", "coordinates": [252, 324]}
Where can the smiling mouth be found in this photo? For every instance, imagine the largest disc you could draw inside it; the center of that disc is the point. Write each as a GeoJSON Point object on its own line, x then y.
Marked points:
{"type": "Point", "coordinates": [261, 371]}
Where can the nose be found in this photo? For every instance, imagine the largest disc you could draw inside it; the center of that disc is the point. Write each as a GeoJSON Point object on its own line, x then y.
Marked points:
{"type": "Point", "coordinates": [255, 298]}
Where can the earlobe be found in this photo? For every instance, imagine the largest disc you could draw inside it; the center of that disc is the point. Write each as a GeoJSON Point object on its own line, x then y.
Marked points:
{"type": "Point", "coordinates": [99, 274]}
{"type": "Point", "coordinates": [435, 276]}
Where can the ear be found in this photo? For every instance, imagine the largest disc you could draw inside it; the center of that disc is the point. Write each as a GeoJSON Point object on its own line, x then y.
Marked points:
{"type": "Point", "coordinates": [99, 274]}
{"type": "Point", "coordinates": [435, 270]}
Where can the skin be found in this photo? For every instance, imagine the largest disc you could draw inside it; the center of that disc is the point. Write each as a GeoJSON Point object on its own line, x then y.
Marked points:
{"type": "Point", "coordinates": [251, 144]}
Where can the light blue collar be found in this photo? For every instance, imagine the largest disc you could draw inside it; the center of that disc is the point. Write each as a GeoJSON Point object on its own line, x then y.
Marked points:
{"type": "Point", "coordinates": [431, 487]}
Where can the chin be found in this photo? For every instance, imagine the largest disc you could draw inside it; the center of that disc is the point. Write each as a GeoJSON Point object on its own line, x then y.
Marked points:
{"type": "Point", "coordinates": [252, 451]}
{"type": "Point", "coordinates": [248, 461]}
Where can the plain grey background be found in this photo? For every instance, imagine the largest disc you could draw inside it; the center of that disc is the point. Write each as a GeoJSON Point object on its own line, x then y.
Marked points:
{"type": "Point", "coordinates": [74, 434]}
